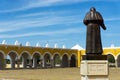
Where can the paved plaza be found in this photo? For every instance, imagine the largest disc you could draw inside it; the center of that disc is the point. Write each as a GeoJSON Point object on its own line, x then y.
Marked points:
{"type": "Point", "coordinates": [50, 74]}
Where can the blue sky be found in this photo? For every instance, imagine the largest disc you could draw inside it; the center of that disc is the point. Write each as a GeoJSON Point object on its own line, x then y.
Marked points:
{"type": "Point", "coordinates": [56, 21]}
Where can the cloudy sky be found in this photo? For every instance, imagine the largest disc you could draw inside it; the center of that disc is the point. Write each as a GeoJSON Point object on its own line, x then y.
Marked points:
{"type": "Point", "coordinates": [56, 21]}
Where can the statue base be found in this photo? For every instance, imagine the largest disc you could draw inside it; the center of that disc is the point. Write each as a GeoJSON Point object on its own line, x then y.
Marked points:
{"type": "Point", "coordinates": [94, 67]}
{"type": "Point", "coordinates": [94, 57]}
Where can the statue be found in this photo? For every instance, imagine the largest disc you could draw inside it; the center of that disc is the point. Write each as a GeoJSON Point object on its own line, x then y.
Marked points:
{"type": "Point", "coordinates": [93, 20]}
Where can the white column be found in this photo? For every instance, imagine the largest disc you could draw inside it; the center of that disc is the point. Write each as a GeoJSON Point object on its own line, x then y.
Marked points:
{"type": "Point", "coordinates": [13, 62]}
{"type": "Point", "coordinates": [4, 64]}
{"type": "Point", "coordinates": [24, 62]}
{"type": "Point", "coordinates": [1, 63]}
{"type": "Point", "coordinates": [30, 63]}
{"type": "Point", "coordinates": [69, 61]}
{"type": "Point", "coordinates": [34, 62]}
{"type": "Point", "coordinates": [60, 61]}
{"type": "Point", "coordinates": [116, 63]}
{"type": "Point", "coordinates": [52, 62]}
{"type": "Point", "coordinates": [43, 63]}
{"type": "Point", "coordinates": [18, 63]}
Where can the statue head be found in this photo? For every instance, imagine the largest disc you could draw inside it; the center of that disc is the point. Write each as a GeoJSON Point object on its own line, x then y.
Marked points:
{"type": "Point", "coordinates": [92, 9]}
{"type": "Point", "coordinates": [94, 16]}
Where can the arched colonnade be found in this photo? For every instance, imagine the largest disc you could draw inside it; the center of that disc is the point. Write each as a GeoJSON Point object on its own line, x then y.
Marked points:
{"type": "Point", "coordinates": [36, 60]}
{"type": "Point", "coordinates": [114, 61]}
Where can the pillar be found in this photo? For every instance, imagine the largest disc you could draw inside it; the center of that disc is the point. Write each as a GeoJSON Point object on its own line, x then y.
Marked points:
{"type": "Point", "coordinates": [4, 66]}
{"type": "Point", "coordinates": [1, 63]}
{"type": "Point", "coordinates": [69, 62]}
{"type": "Point", "coordinates": [13, 62]}
{"type": "Point", "coordinates": [116, 63]}
{"type": "Point", "coordinates": [30, 63]}
{"type": "Point", "coordinates": [34, 62]}
{"type": "Point", "coordinates": [61, 61]}
{"type": "Point", "coordinates": [43, 63]}
{"type": "Point", "coordinates": [25, 62]}
{"type": "Point", "coordinates": [52, 63]}
{"type": "Point", "coordinates": [18, 63]}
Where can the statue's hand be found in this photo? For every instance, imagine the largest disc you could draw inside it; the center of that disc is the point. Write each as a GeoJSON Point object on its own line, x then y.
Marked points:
{"type": "Point", "coordinates": [103, 26]}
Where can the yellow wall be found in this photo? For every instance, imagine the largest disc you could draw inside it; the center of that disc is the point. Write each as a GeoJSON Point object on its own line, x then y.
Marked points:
{"type": "Point", "coordinates": [6, 49]}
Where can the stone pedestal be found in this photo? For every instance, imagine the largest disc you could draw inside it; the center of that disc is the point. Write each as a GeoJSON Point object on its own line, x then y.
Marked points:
{"type": "Point", "coordinates": [94, 70]}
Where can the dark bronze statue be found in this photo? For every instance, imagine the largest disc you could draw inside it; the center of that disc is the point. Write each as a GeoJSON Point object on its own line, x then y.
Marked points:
{"type": "Point", "coordinates": [93, 20]}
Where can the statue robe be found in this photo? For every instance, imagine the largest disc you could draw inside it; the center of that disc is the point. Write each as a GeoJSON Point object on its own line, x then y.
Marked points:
{"type": "Point", "coordinates": [93, 20]}
{"type": "Point", "coordinates": [93, 39]}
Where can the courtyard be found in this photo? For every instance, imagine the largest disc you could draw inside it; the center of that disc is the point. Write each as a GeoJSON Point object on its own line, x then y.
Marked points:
{"type": "Point", "coordinates": [50, 74]}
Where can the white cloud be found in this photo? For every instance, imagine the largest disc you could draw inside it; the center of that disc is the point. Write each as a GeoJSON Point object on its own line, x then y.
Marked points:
{"type": "Point", "coordinates": [48, 33]}
{"type": "Point", "coordinates": [112, 34]}
{"type": "Point", "coordinates": [54, 40]}
{"type": "Point", "coordinates": [33, 14]}
{"type": "Point", "coordinates": [39, 3]}
{"type": "Point", "coordinates": [37, 22]}
{"type": "Point", "coordinates": [46, 13]}
{"type": "Point", "coordinates": [42, 3]}
{"type": "Point", "coordinates": [29, 4]}
{"type": "Point", "coordinates": [112, 18]}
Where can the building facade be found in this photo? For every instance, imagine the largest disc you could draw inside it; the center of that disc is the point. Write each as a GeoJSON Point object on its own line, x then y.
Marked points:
{"type": "Point", "coordinates": [17, 56]}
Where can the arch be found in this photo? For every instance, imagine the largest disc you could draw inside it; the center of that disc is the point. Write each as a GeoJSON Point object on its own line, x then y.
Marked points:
{"type": "Point", "coordinates": [36, 59]}
{"type": "Point", "coordinates": [56, 53]}
{"type": "Point", "coordinates": [118, 60]}
{"type": "Point", "coordinates": [4, 55]}
{"type": "Point", "coordinates": [25, 52]}
{"type": "Point", "coordinates": [109, 53]}
{"type": "Point", "coordinates": [56, 60]}
{"type": "Point", "coordinates": [25, 58]}
{"type": "Point", "coordinates": [34, 53]}
{"type": "Point", "coordinates": [111, 60]}
{"type": "Point", "coordinates": [73, 61]}
{"type": "Point", "coordinates": [2, 60]}
{"type": "Point", "coordinates": [117, 56]}
{"type": "Point", "coordinates": [13, 52]}
{"type": "Point", "coordinates": [47, 53]}
{"type": "Point", "coordinates": [67, 56]}
{"type": "Point", "coordinates": [13, 55]}
{"type": "Point", "coordinates": [74, 55]}
{"type": "Point", "coordinates": [65, 60]}
{"type": "Point", "coordinates": [47, 60]}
